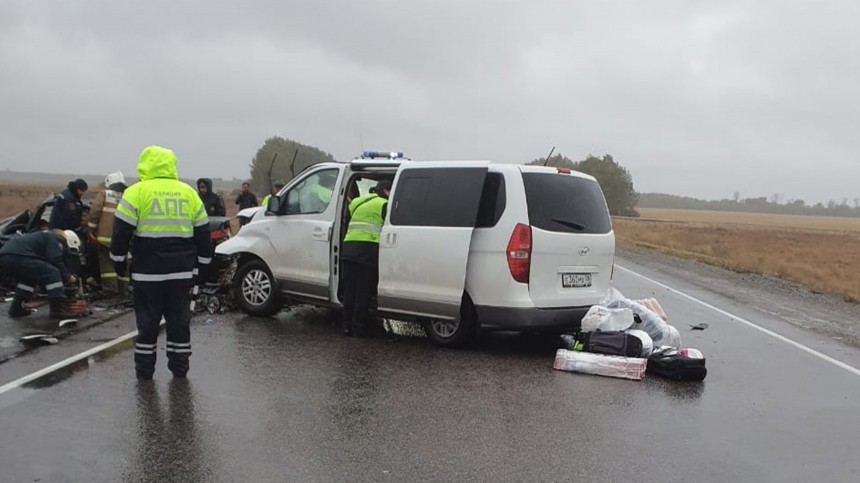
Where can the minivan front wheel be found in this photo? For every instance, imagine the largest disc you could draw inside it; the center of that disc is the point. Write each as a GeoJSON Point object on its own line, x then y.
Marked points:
{"type": "Point", "coordinates": [454, 333]}
{"type": "Point", "coordinates": [256, 290]}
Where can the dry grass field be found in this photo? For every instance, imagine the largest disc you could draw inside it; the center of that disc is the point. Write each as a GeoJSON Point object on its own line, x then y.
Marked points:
{"type": "Point", "coordinates": [17, 197]}
{"type": "Point", "coordinates": [819, 252]}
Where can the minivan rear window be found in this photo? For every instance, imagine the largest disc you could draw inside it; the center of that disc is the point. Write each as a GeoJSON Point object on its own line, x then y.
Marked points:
{"type": "Point", "coordinates": [564, 203]}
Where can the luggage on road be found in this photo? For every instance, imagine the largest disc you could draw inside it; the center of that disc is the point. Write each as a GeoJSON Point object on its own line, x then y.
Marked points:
{"type": "Point", "coordinates": [678, 364]}
{"type": "Point", "coordinates": [599, 364]}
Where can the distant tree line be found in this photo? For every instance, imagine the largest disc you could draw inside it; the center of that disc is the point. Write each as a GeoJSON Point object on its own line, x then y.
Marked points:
{"type": "Point", "coordinates": [614, 179]}
{"type": "Point", "coordinates": [292, 157]}
{"type": "Point", "coordinates": [775, 204]}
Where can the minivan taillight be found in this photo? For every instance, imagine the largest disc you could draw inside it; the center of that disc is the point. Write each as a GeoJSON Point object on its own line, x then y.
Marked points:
{"type": "Point", "coordinates": [520, 252]}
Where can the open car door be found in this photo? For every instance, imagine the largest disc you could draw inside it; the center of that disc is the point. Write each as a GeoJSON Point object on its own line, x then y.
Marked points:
{"type": "Point", "coordinates": [424, 243]}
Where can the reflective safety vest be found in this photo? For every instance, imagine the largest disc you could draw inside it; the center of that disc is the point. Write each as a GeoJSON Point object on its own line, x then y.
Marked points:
{"type": "Point", "coordinates": [161, 208]}
{"type": "Point", "coordinates": [167, 220]}
{"type": "Point", "coordinates": [366, 221]}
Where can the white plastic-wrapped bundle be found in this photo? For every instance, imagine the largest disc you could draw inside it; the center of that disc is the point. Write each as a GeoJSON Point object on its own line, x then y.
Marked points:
{"type": "Point", "coordinates": [649, 321]}
{"type": "Point", "coordinates": [599, 364]}
{"type": "Point", "coordinates": [605, 319]}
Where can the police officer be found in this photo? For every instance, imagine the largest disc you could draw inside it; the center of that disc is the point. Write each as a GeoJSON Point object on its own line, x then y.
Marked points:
{"type": "Point", "coordinates": [168, 222]}
{"type": "Point", "coordinates": [360, 255]}
{"type": "Point", "coordinates": [40, 258]}
{"type": "Point", "coordinates": [67, 212]}
{"type": "Point", "coordinates": [100, 223]}
{"type": "Point", "coordinates": [275, 188]}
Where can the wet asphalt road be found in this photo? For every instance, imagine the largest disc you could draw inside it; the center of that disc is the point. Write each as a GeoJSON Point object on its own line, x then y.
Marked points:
{"type": "Point", "coordinates": [291, 399]}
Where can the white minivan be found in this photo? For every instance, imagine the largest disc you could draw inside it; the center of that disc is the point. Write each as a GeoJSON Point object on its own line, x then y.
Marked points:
{"type": "Point", "coordinates": [465, 245]}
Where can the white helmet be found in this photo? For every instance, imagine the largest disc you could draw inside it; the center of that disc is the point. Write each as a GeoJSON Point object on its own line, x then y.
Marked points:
{"type": "Point", "coordinates": [73, 241]}
{"type": "Point", "coordinates": [113, 178]}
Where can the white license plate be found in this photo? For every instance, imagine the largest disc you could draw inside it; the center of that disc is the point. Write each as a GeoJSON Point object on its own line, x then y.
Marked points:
{"type": "Point", "coordinates": [575, 280]}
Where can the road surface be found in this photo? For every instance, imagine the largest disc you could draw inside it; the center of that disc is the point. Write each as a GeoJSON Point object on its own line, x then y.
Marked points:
{"type": "Point", "coordinates": [291, 399]}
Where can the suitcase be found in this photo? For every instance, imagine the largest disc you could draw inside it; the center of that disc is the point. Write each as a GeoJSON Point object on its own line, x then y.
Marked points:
{"type": "Point", "coordinates": [611, 343]}
{"type": "Point", "coordinates": [678, 364]}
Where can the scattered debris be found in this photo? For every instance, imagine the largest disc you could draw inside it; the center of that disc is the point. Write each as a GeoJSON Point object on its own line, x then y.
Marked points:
{"type": "Point", "coordinates": [702, 326]}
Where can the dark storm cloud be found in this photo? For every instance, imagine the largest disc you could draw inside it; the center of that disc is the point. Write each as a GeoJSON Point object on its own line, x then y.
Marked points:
{"type": "Point", "coordinates": [697, 98]}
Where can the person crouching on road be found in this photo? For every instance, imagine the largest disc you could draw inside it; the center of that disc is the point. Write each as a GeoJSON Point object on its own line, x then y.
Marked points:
{"type": "Point", "coordinates": [168, 223]}
{"type": "Point", "coordinates": [360, 255]}
{"type": "Point", "coordinates": [211, 200]}
{"type": "Point", "coordinates": [40, 258]}
{"type": "Point", "coordinates": [100, 223]}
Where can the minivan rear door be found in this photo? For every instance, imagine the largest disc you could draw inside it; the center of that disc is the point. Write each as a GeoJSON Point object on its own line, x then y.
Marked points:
{"type": "Point", "coordinates": [573, 246]}
{"type": "Point", "coordinates": [424, 243]}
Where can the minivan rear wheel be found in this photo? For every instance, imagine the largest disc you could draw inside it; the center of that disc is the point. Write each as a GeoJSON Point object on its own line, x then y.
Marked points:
{"type": "Point", "coordinates": [256, 290]}
{"type": "Point", "coordinates": [454, 333]}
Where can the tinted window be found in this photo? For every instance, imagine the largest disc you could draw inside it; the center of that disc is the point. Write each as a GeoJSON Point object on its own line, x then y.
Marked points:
{"type": "Point", "coordinates": [559, 202]}
{"type": "Point", "coordinates": [492, 203]}
{"type": "Point", "coordinates": [437, 196]}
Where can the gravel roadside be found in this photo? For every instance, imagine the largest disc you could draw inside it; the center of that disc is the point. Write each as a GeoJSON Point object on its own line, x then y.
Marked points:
{"type": "Point", "coordinates": [823, 313]}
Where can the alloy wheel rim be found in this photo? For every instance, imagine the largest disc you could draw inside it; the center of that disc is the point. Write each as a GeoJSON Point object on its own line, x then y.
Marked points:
{"type": "Point", "coordinates": [256, 287]}
{"type": "Point", "coordinates": [445, 328]}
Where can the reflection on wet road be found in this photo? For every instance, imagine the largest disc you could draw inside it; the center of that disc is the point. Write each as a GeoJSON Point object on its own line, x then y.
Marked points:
{"type": "Point", "coordinates": [292, 399]}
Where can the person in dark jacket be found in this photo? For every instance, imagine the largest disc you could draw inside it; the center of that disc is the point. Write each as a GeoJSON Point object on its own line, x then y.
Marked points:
{"type": "Point", "coordinates": [246, 199]}
{"type": "Point", "coordinates": [212, 201]}
{"type": "Point", "coordinates": [40, 258]}
{"type": "Point", "coordinates": [68, 208]}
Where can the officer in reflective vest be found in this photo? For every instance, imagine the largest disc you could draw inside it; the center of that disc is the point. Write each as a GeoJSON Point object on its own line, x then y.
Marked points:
{"type": "Point", "coordinates": [360, 255]}
{"type": "Point", "coordinates": [168, 222]}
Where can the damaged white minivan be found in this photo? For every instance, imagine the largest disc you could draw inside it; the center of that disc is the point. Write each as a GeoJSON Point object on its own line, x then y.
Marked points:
{"type": "Point", "coordinates": [466, 245]}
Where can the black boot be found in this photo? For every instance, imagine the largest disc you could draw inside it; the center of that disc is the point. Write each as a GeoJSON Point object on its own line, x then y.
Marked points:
{"type": "Point", "coordinates": [58, 311]}
{"type": "Point", "coordinates": [17, 308]}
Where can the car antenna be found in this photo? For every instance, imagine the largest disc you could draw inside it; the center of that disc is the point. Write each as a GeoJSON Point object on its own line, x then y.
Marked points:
{"type": "Point", "coordinates": [550, 155]}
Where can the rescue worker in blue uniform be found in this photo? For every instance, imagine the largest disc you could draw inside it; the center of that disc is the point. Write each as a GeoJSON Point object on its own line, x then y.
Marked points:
{"type": "Point", "coordinates": [68, 209]}
{"type": "Point", "coordinates": [360, 256]}
{"type": "Point", "coordinates": [171, 245]}
{"type": "Point", "coordinates": [40, 258]}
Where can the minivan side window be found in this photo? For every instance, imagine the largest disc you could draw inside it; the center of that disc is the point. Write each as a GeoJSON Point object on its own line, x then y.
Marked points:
{"type": "Point", "coordinates": [493, 201]}
{"type": "Point", "coordinates": [437, 197]}
{"type": "Point", "coordinates": [565, 203]}
{"type": "Point", "coordinates": [313, 194]}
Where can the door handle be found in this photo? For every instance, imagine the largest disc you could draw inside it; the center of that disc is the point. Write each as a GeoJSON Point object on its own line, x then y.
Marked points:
{"type": "Point", "coordinates": [320, 234]}
{"type": "Point", "coordinates": [392, 239]}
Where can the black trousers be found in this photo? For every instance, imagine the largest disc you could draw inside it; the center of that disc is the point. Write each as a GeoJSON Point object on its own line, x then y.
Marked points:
{"type": "Point", "coordinates": [152, 301]}
{"type": "Point", "coordinates": [359, 282]}
{"type": "Point", "coordinates": [29, 272]}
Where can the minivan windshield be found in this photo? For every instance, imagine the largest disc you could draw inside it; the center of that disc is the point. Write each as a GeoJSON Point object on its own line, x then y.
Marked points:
{"type": "Point", "coordinates": [565, 203]}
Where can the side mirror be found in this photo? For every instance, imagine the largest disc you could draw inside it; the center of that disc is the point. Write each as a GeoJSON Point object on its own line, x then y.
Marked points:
{"type": "Point", "coordinates": [274, 205]}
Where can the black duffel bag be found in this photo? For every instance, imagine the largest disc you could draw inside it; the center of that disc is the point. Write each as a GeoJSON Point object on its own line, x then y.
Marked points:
{"type": "Point", "coordinates": [612, 343]}
{"type": "Point", "coordinates": [678, 364]}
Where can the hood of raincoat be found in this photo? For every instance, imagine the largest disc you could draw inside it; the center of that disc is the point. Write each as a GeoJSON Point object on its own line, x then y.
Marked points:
{"type": "Point", "coordinates": [207, 182]}
{"type": "Point", "coordinates": [157, 162]}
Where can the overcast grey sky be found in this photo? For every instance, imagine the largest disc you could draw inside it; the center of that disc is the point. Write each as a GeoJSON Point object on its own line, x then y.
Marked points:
{"type": "Point", "coordinates": [694, 98]}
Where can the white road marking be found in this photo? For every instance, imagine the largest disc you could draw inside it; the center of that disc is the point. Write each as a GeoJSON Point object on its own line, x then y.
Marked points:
{"type": "Point", "coordinates": [759, 328]}
{"type": "Point", "coordinates": [71, 360]}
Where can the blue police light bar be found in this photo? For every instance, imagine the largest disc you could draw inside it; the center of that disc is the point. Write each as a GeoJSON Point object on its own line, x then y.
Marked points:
{"type": "Point", "coordinates": [381, 154]}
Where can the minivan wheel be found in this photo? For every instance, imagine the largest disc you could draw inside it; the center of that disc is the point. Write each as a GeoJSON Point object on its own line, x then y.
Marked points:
{"type": "Point", "coordinates": [454, 333]}
{"type": "Point", "coordinates": [256, 290]}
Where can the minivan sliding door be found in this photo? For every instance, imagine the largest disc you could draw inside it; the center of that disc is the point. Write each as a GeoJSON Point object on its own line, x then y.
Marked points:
{"type": "Point", "coordinates": [425, 241]}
